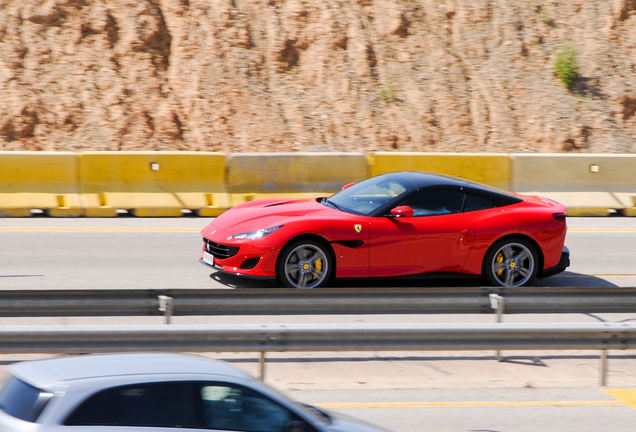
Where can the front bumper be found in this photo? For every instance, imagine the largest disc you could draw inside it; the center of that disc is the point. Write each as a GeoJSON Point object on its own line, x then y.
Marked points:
{"type": "Point", "coordinates": [255, 258]}
{"type": "Point", "coordinates": [564, 263]}
{"type": "Point", "coordinates": [221, 269]}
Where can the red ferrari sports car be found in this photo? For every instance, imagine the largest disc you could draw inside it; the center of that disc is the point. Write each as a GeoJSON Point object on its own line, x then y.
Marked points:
{"type": "Point", "coordinates": [397, 224]}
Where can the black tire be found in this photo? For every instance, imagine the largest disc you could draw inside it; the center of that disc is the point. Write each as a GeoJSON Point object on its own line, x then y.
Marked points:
{"type": "Point", "coordinates": [304, 264]}
{"type": "Point", "coordinates": [511, 262]}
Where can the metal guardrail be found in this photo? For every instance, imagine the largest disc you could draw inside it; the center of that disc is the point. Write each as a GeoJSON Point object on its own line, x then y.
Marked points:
{"type": "Point", "coordinates": [330, 301]}
{"type": "Point", "coordinates": [326, 337]}
{"type": "Point", "coordinates": [316, 337]}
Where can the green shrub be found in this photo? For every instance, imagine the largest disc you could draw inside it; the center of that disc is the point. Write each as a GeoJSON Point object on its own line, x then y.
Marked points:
{"type": "Point", "coordinates": [565, 65]}
{"type": "Point", "coordinates": [546, 18]}
{"type": "Point", "coordinates": [387, 92]}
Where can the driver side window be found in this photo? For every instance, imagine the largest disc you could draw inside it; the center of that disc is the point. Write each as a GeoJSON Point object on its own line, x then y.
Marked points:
{"type": "Point", "coordinates": [235, 408]}
{"type": "Point", "coordinates": [434, 202]}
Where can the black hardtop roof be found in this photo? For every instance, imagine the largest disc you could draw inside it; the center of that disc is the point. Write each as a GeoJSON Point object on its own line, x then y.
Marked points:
{"type": "Point", "coordinates": [423, 180]}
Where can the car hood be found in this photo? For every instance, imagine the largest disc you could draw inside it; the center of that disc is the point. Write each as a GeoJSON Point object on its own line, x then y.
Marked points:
{"type": "Point", "coordinates": [343, 423]}
{"type": "Point", "coordinates": [262, 214]}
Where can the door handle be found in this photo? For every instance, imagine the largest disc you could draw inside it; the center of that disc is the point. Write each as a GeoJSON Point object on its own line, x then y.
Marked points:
{"type": "Point", "coordinates": [465, 231]}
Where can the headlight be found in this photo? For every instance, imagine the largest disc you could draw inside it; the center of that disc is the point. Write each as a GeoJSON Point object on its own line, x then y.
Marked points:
{"type": "Point", "coordinates": [256, 234]}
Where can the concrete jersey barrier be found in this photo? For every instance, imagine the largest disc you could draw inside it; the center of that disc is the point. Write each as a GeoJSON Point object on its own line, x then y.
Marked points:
{"type": "Point", "coordinates": [489, 168]}
{"type": "Point", "coordinates": [98, 184]}
{"type": "Point", "coordinates": [39, 180]}
{"type": "Point", "coordinates": [153, 183]}
{"type": "Point", "coordinates": [588, 184]}
{"type": "Point", "coordinates": [295, 175]}
{"type": "Point", "coordinates": [293, 172]}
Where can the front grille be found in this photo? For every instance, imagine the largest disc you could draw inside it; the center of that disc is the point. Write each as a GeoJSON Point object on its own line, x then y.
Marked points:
{"type": "Point", "coordinates": [220, 251]}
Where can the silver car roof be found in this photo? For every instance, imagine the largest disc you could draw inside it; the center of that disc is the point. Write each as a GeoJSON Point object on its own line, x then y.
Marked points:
{"type": "Point", "coordinates": [46, 374]}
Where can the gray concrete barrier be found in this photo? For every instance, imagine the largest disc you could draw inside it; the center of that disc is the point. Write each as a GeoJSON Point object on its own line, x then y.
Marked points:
{"type": "Point", "coordinates": [259, 175]}
{"type": "Point", "coordinates": [588, 184]}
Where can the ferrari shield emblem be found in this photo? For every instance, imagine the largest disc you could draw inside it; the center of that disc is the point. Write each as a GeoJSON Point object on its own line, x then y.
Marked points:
{"type": "Point", "coordinates": [358, 227]}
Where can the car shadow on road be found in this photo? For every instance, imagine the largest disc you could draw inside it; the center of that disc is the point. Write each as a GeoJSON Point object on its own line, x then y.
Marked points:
{"type": "Point", "coordinates": [234, 281]}
{"type": "Point", "coordinates": [437, 280]}
{"type": "Point", "coordinates": [571, 279]}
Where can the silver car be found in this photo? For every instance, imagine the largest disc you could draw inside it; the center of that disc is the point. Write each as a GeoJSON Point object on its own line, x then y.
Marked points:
{"type": "Point", "coordinates": [155, 392]}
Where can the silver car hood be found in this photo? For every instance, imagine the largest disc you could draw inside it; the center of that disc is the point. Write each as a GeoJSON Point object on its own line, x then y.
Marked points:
{"type": "Point", "coordinates": [344, 423]}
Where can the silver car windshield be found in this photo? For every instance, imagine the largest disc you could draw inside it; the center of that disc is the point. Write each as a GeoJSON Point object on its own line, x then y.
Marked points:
{"type": "Point", "coordinates": [23, 401]}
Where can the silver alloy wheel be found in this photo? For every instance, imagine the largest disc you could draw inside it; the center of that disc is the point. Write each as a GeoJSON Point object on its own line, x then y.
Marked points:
{"type": "Point", "coordinates": [513, 265]}
{"type": "Point", "coordinates": [306, 266]}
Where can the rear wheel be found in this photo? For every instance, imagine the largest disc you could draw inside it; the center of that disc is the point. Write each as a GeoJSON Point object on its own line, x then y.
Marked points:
{"type": "Point", "coordinates": [304, 264]}
{"type": "Point", "coordinates": [511, 262]}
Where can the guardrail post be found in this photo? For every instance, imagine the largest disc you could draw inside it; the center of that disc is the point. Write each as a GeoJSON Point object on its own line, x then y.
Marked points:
{"type": "Point", "coordinates": [165, 306]}
{"type": "Point", "coordinates": [261, 366]}
{"type": "Point", "coordinates": [602, 377]}
{"type": "Point", "coordinates": [498, 304]}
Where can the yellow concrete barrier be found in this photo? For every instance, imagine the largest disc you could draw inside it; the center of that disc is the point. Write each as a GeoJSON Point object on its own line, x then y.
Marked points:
{"type": "Point", "coordinates": [153, 183]}
{"type": "Point", "coordinates": [39, 181]}
{"type": "Point", "coordinates": [489, 168]}
{"type": "Point", "coordinates": [588, 184]}
{"type": "Point", "coordinates": [163, 183]}
{"type": "Point", "coordinates": [284, 173]}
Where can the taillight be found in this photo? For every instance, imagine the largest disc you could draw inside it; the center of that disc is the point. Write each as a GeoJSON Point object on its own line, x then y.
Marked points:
{"type": "Point", "coordinates": [559, 217]}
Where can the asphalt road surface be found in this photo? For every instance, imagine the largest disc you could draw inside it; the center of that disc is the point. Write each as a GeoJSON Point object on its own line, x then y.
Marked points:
{"type": "Point", "coordinates": [405, 392]}
{"type": "Point", "coordinates": [39, 252]}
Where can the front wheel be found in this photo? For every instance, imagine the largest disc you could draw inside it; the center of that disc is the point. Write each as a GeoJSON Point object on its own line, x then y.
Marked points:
{"type": "Point", "coordinates": [304, 264]}
{"type": "Point", "coordinates": [512, 263]}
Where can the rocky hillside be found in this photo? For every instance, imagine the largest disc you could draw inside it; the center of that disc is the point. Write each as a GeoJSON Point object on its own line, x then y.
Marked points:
{"type": "Point", "coordinates": [316, 75]}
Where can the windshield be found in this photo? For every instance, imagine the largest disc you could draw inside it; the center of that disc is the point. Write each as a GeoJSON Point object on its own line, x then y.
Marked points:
{"type": "Point", "coordinates": [368, 196]}
{"type": "Point", "coordinates": [23, 401]}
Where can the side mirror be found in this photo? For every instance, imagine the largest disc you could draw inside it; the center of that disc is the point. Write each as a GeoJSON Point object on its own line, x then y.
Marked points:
{"type": "Point", "coordinates": [402, 211]}
{"type": "Point", "coordinates": [347, 186]}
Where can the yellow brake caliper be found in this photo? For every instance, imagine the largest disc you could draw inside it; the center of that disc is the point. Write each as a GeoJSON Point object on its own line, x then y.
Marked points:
{"type": "Point", "coordinates": [499, 260]}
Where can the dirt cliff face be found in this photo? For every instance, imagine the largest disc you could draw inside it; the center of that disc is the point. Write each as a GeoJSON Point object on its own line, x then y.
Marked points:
{"type": "Point", "coordinates": [316, 75]}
